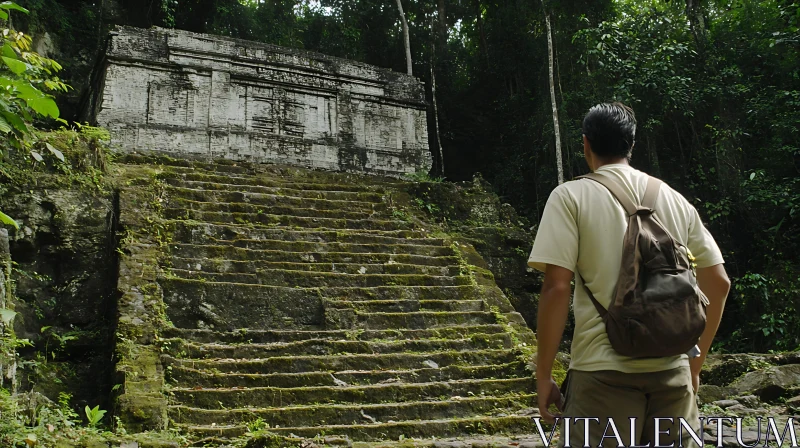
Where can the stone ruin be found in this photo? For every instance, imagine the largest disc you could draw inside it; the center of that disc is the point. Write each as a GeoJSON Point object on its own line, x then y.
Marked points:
{"type": "Point", "coordinates": [209, 97]}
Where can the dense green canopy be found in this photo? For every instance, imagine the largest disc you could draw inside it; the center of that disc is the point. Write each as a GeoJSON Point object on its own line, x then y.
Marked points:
{"type": "Point", "coordinates": [715, 85]}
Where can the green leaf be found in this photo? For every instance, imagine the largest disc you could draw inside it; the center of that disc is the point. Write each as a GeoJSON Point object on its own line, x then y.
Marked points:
{"type": "Point", "coordinates": [12, 5]}
{"type": "Point", "coordinates": [38, 157]}
{"type": "Point", "coordinates": [5, 219]}
{"type": "Point", "coordinates": [5, 127]}
{"type": "Point", "coordinates": [3, 15]}
{"type": "Point", "coordinates": [44, 106]}
{"type": "Point", "coordinates": [752, 176]}
{"type": "Point", "coordinates": [6, 316]}
{"type": "Point", "coordinates": [9, 52]}
{"type": "Point", "coordinates": [59, 155]}
{"type": "Point", "coordinates": [15, 65]}
{"type": "Point", "coordinates": [16, 121]}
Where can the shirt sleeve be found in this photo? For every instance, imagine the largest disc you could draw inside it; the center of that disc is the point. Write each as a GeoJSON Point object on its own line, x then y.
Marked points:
{"type": "Point", "coordinates": [557, 237]}
{"type": "Point", "coordinates": [701, 243]}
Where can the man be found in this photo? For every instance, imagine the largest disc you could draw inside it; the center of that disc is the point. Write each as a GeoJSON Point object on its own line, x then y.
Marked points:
{"type": "Point", "coordinates": [581, 232]}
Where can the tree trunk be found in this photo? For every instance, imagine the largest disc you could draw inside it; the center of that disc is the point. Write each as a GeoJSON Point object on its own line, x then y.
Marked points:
{"type": "Point", "coordinates": [436, 110]}
{"type": "Point", "coordinates": [406, 38]}
{"type": "Point", "coordinates": [479, 19]}
{"type": "Point", "coordinates": [655, 166]}
{"type": "Point", "coordinates": [441, 8]}
{"type": "Point", "coordinates": [697, 24]}
{"type": "Point", "coordinates": [559, 162]}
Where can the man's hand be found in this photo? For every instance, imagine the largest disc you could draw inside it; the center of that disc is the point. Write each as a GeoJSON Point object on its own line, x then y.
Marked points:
{"type": "Point", "coordinates": [549, 394]}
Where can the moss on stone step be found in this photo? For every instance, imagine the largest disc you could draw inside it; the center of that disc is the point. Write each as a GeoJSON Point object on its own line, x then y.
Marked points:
{"type": "Point", "coordinates": [201, 378]}
{"type": "Point", "coordinates": [405, 306]}
{"type": "Point", "coordinates": [454, 406]}
{"type": "Point", "coordinates": [424, 319]}
{"type": "Point", "coordinates": [187, 349]}
{"type": "Point", "coordinates": [228, 252]}
{"type": "Point", "coordinates": [254, 209]}
{"type": "Point", "coordinates": [306, 246]}
{"type": "Point", "coordinates": [303, 279]}
{"type": "Point", "coordinates": [268, 219]}
{"type": "Point", "coordinates": [228, 306]}
{"type": "Point", "coordinates": [238, 180]}
{"type": "Point", "coordinates": [394, 430]}
{"type": "Point", "coordinates": [360, 395]}
{"type": "Point", "coordinates": [271, 199]}
{"type": "Point", "coordinates": [305, 363]}
{"type": "Point", "coordinates": [288, 287]}
{"type": "Point", "coordinates": [283, 336]}
{"type": "Point", "coordinates": [223, 265]}
{"type": "Point", "coordinates": [194, 232]}
{"type": "Point", "coordinates": [358, 196]}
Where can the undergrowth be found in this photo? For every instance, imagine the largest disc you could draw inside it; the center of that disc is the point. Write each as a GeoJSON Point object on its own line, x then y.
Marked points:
{"type": "Point", "coordinates": [80, 160]}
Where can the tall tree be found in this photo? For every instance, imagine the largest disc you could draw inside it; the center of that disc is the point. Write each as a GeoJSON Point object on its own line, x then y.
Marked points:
{"type": "Point", "coordinates": [440, 168]}
{"type": "Point", "coordinates": [697, 23]}
{"type": "Point", "coordinates": [556, 128]}
{"type": "Point", "coordinates": [406, 37]}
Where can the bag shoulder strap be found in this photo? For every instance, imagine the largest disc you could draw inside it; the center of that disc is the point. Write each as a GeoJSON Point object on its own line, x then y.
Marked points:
{"type": "Point", "coordinates": [600, 310]}
{"type": "Point", "coordinates": [650, 194]}
{"type": "Point", "coordinates": [615, 190]}
{"type": "Point", "coordinates": [648, 203]}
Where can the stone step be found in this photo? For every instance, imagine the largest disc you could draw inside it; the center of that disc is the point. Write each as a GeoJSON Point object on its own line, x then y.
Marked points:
{"type": "Point", "coordinates": [317, 247]}
{"type": "Point", "coordinates": [379, 393]}
{"type": "Point", "coordinates": [388, 431]}
{"type": "Point", "coordinates": [423, 319]}
{"type": "Point", "coordinates": [230, 306]}
{"type": "Point", "coordinates": [305, 279]}
{"type": "Point", "coordinates": [308, 363]}
{"type": "Point", "coordinates": [279, 414]}
{"type": "Point", "coordinates": [285, 336]}
{"type": "Point", "coordinates": [284, 190]}
{"type": "Point", "coordinates": [422, 293]}
{"type": "Point", "coordinates": [268, 219]}
{"type": "Point", "coordinates": [407, 306]}
{"type": "Point", "coordinates": [275, 182]}
{"type": "Point", "coordinates": [256, 210]}
{"type": "Point", "coordinates": [230, 252]}
{"type": "Point", "coordinates": [186, 349]}
{"type": "Point", "coordinates": [277, 172]}
{"type": "Point", "coordinates": [201, 233]}
{"type": "Point", "coordinates": [194, 377]}
{"type": "Point", "coordinates": [242, 266]}
{"type": "Point", "coordinates": [269, 200]}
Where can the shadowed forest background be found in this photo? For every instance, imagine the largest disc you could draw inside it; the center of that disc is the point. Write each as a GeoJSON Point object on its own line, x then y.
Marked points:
{"type": "Point", "coordinates": [715, 86]}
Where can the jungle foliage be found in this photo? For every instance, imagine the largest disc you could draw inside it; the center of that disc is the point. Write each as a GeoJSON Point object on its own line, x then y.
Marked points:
{"type": "Point", "coordinates": [715, 85]}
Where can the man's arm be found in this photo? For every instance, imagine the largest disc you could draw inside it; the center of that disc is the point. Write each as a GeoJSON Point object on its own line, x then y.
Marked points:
{"type": "Point", "coordinates": [714, 283]}
{"type": "Point", "coordinates": [550, 322]}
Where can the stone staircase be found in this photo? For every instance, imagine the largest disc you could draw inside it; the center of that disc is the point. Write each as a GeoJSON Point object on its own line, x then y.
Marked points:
{"type": "Point", "coordinates": [310, 303]}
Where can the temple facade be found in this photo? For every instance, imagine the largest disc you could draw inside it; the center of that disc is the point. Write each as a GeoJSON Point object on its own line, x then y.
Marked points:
{"type": "Point", "coordinates": [209, 97]}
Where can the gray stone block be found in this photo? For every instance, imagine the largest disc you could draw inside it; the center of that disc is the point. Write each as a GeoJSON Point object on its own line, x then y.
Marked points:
{"type": "Point", "coordinates": [200, 96]}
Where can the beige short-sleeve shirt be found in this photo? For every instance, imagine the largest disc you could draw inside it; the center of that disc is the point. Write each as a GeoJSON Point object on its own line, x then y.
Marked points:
{"type": "Point", "coordinates": [582, 230]}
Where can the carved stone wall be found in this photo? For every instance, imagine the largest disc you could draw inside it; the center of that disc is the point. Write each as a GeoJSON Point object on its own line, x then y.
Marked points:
{"type": "Point", "coordinates": [201, 96]}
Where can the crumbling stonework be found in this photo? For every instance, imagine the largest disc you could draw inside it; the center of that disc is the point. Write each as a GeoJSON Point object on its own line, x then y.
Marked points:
{"type": "Point", "coordinates": [201, 96]}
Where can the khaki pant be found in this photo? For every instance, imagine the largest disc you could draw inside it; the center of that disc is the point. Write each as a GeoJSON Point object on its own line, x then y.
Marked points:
{"type": "Point", "coordinates": [619, 396]}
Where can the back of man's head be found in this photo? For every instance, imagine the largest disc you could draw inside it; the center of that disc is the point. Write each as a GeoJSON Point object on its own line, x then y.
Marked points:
{"type": "Point", "coordinates": [610, 129]}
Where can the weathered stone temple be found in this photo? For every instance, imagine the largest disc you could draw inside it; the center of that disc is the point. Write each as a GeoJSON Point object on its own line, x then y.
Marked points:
{"type": "Point", "coordinates": [195, 95]}
{"type": "Point", "coordinates": [270, 296]}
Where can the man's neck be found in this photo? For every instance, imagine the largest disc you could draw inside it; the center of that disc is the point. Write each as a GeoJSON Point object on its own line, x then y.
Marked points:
{"type": "Point", "coordinates": [601, 162]}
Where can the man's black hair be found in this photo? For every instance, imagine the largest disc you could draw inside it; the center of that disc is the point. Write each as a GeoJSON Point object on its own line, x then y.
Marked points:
{"type": "Point", "coordinates": [610, 129]}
